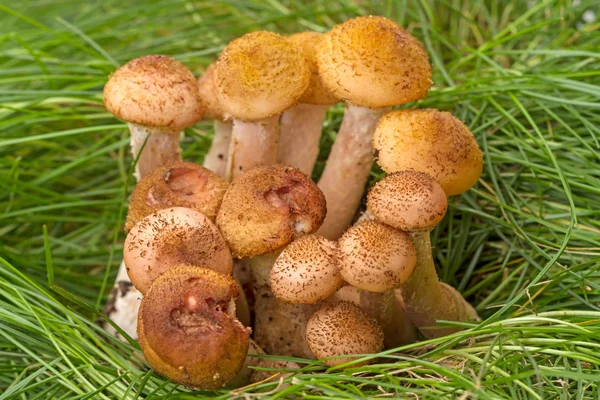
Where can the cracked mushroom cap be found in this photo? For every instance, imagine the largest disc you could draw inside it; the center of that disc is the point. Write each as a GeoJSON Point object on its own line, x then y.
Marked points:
{"type": "Point", "coordinates": [430, 141]}
{"type": "Point", "coordinates": [208, 94]}
{"type": "Point", "coordinates": [266, 208]}
{"type": "Point", "coordinates": [187, 327]}
{"type": "Point", "coordinates": [373, 62]}
{"type": "Point", "coordinates": [154, 91]}
{"type": "Point", "coordinates": [376, 257]}
{"type": "Point", "coordinates": [408, 200]}
{"type": "Point", "coordinates": [340, 329]}
{"type": "Point", "coordinates": [306, 271]}
{"type": "Point", "coordinates": [170, 237]}
{"type": "Point", "coordinates": [177, 184]}
{"type": "Point", "coordinates": [259, 75]}
{"type": "Point", "coordinates": [316, 93]}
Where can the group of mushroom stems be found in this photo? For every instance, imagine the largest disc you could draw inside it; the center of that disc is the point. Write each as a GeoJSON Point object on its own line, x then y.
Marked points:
{"type": "Point", "coordinates": [247, 253]}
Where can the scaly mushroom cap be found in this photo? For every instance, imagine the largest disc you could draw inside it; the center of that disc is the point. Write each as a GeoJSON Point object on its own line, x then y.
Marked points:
{"type": "Point", "coordinates": [208, 94]}
{"type": "Point", "coordinates": [408, 200]}
{"type": "Point", "coordinates": [154, 91]}
{"type": "Point", "coordinates": [373, 62]}
{"type": "Point", "coordinates": [306, 271]}
{"type": "Point", "coordinates": [187, 327]}
{"type": "Point", "coordinates": [343, 328]}
{"type": "Point", "coordinates": [375, 256]}
{"type": "Point", "coordinates": [316, 93]}
{"type": "Point", "coordinates": [430, 141]}
{"type": "Point", "coordinates": [178, 184]}
{"type": "Point", "coordinates": [170, 237]}
{"type": "Point", "coordinates": [259, 75]}
{"type": "Point", "coordinates": [266, 208]}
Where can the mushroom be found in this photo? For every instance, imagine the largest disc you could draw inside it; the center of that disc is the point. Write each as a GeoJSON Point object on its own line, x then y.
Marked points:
{"type": "Point", "coordinates": [187, 327]}
{"type": "Point", "coordinates": [256, 77]}
{"type": "Point", "coordinates": [216, 158]}
{"type": "Point", "coordinates": [177, 184]}
{"type": "Point", "coordinates": [371, 63]}
{"type": "Point", "coordinates": [343, 329]}
{"type": "Point", "coordinates": [264, 210]}
{"type": "Point", "coordinates": [301, 125]}
{"type": "Point", "coordinates": [171, 237]}
{"type": "Point", "coordinates": [158, 97]}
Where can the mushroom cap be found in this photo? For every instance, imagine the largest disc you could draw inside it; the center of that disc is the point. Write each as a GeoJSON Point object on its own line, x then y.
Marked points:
{"type": "Point", "coordinates": [376, 257]}
{"type": "Point", "coordinates": [267, 207]}
{"type": "Point", "coordinates": [343, 328]}
{"type": "Point", "coordinates": [259, 75]}
{"type": "Point", "coordinates": [430, 141]}
{"type": "Point", "coordinates": [408, 200]}
{"type": "Point", "coordinates": [373, 62]}
{"type": "Point", "coordinates": [316, 92]}
{"type": "Point", "coordinates": [306, 271]}
{"type": "Point", "coordinates": [187, 327]}
{"type": "Point", "coordinates": [208, 94]}
{"type": "Point", "coordinates": [170, 237]}
{"type": "Point", "coordinates": [155, 91]}
{"type": "Point", "coordinates": [177, 184]}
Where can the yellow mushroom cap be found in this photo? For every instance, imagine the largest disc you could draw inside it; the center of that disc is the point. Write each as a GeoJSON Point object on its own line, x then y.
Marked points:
{"type": "Point", "coordinates": [408, 200]}
{"type": "Point", "coordinates": [316, 93]}
{"type": "Point", "coordinates": [430, 141]}
{"type": "Point", "coordinates": [376, 257]}
{"type": "Point", "coordinates": [259, 75]}
{"type": "Point", "coordinates": [177, 184]}
{"type": "Point", "coordinates": [187, 327]}
{"type": "Point", "coordinates": [266, 208]}
{"type": "Point", "coordinates": [154, 91]}
{"type": "Point", "coordinates": [306, 271]}
{"type": "Point", "coordinates": [373, 62]}
{"type": "Point", "coordinates": [340, 329]}
{"type": "Point", "coordinates": [208, 94]}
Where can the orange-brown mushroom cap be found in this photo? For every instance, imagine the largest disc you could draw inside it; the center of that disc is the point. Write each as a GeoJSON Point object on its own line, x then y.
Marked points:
{"type": "Point", "coordinates": [208, 94]}
{"type": "Point", "coordinates": [430, 141]}
{"type": "Point", "coordinates": [375, 256]}
{"type": "Point", "coordinates": [170, 237]}
{"type": "Point", "coordinates": [408, 200]}
{"type": "Point", "coordinates": [154, 91]}
{"type": "Point", "coordinates": [340, 329]}
{"type": "Point", "coordinates": [177, 184]}
{"type": "Point", "coordinates": [259, 75]}
{"type": "Point", "coordinates": [316, 92]}
{"type": "Point", "coordinates": [373, 62]}
{"type": "Point", "coordinates": [187, 327]}
{"type": "Point", "coordinates": [306, 271]}
{"type": "Point", "coordinates": [266, 208]}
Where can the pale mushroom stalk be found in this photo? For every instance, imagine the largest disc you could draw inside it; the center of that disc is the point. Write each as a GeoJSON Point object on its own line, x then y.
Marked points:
{"type": "Point", "coordinates": [218, 153]}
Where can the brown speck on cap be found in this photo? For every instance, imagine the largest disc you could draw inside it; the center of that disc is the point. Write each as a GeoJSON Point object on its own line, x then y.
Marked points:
{"type": "Point", "coordinates": [340, 329]}
{"type": "Point", "coordinates": [156, 91]}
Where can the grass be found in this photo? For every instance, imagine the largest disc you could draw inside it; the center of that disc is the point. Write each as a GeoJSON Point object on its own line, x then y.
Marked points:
{"type": "Point", "coordinates": [523, 245]}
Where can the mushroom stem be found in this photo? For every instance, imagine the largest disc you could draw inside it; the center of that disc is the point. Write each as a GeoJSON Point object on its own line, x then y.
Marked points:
{"type": "Point", "coordinates": [249, 375]}
{"type": "Point", "coordinates": [161, 147]}
{"type": "Point", "coordinates": [217, 156]}
{"type": "Point", "coordinates": [348, 166]}
{"type": "Point", "coordinates": [253, 143]}
{"type": "Point", "coordinates": [300, 134]}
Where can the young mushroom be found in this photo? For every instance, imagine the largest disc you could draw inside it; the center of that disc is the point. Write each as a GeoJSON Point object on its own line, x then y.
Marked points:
{"type": "Point", "coordinates": [187, 327]}
{"type": "Point", "coordinates": [158, 97]}
{"type": "Point", "coordinates": [343, 329]}
{"type": "Point", "coordinates": [257, 77]}
{"type": "Point", "coordinates": [264, 210]}
{"type": "Point", "coordinates": [371, 63]}
{"type": "Point", "coordinates": [301, 125]}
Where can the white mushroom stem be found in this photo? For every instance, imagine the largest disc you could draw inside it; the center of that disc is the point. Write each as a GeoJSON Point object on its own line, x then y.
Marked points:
{"type": "Point", "coordinates": [300, 134]}
{"type": "Point", "coordinates": [161, 147]}
{"type": "Point", "coordinates": [252, 144]}
{"type": "Point", "coordinates": [347, 169]}
{"type": "Point", "coordinates": [216, 157]}
{"type": "Point", "coordinates": [123, 305]}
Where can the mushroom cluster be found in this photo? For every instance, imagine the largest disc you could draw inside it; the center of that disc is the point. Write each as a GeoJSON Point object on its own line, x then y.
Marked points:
{"type": "Point", "coordinates": [246, 254]}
